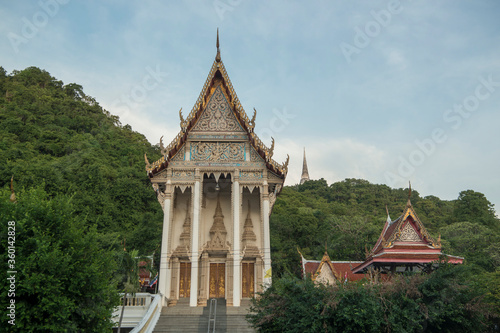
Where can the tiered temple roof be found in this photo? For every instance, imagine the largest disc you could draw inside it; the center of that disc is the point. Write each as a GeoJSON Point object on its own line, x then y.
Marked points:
{"type": "Point", "coordinates": [218, 77]}
{"type": "Point", "coordinates": [404, 245]}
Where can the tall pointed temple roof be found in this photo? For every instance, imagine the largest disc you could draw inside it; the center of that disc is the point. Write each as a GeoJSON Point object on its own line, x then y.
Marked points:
{"type": "Point", "coordinates": [233, 120]}
{"type": "Point", "coordinates": [404, 245]}
{"type": "Point", "coordinates": [305, 172]}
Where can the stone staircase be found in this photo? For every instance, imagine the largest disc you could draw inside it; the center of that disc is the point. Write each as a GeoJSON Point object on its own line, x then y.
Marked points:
{"type": "Point", "coordinates": [186, 319]}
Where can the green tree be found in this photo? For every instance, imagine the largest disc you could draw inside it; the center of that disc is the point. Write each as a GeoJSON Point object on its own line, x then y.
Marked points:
{"type": "Point", "coordinates": [448, 300]}
{"type": "Point", "coordinates": [55, 134]}
{"type": "Point", "coordinates": [129, 264]}
{"type": "Point", "coordinates": [474, 207]}
{"type": "Point", "coordinates": [476, 242]}
{"type": "Point", "coordinates": [63, 279]}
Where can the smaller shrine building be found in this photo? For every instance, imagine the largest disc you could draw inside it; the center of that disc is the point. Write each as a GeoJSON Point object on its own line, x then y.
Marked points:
{"type": "Point", "coordinates": [404, 245]}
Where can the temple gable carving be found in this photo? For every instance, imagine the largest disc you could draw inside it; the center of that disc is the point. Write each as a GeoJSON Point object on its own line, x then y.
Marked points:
{"type": "Point", "coordinates": [409, 234]}
{"type": "Point", "coordinates": [218, 151]}
{"type": "Point", "coordinates": [217, 116]}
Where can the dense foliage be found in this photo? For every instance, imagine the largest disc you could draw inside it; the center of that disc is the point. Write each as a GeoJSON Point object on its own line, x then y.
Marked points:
{"type": "Point", "coordinates": [59, 141]}
{"type": "Point", "coordinates": [62, 280]}
{"type": "Point", "coordinates": [55, 134]}
{"type": "Point", "coordinates": [448, 300]}
{"type": "Point", "coordinates": [348, 217]}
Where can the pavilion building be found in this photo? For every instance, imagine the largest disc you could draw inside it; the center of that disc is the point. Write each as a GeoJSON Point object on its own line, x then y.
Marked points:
{"type": "Point", "coordinates": [217, 184]}
{"type": "Point", "coordinates": [404, 246]}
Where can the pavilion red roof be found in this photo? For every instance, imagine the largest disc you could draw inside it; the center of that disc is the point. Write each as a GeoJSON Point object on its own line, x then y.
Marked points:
{"type": "Point", "coordinates": [406, 243]}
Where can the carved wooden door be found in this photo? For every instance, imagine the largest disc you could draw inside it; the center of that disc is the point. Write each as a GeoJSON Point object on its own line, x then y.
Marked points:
{"type": "Point", "coordinates": [185, 279]}
{"type": "Point", "coordinates": [247, 279]}
{"type": "Point", "coordinates": [217, 280]}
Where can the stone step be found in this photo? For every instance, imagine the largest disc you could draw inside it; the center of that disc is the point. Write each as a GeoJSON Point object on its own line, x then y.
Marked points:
{"type": "Point", "coordinates": [186, 319]}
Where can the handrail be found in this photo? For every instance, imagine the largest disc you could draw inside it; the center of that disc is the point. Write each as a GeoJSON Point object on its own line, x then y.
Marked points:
{"type": "Point", "coordinates": [212, 313]}
{"type": "Point", "coordinates": [148, 322]}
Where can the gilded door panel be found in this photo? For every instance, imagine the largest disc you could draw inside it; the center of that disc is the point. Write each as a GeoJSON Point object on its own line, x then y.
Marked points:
{"type": "Point", "coordinates": [185, 280]}
{"type": "Point", "coordinates": [217, 280]}
{"type": "Point", "coordinates": [247, 279]}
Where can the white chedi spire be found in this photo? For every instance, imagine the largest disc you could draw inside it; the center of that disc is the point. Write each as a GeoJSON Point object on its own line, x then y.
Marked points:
{"type": "Point", "coordinates": [305, 173]}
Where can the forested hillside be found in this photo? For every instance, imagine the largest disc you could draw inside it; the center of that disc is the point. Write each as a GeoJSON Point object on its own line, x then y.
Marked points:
{"type": "Point", "coordinates": [55, 136]}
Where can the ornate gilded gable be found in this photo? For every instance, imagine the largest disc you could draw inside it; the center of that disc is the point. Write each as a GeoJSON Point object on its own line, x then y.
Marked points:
{"type": "Point", "coordinates": [217, 116]}
{"type": "Point", "coordinates": [326, 273]}
{"type": "Point", "coordinates": [409, 234]}
{"type": "Point", "coordinates": [254, 156]}
{"type": "Point", "coordinates": [180, 156]}
{"type": "Point", "coordinates": [325, 276]}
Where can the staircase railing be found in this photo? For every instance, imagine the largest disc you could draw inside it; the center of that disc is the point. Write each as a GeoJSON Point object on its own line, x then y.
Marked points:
{"type": "Point", "coordinates": [212, 314]}
{"type": "Point", "coordinates": [148, 322]}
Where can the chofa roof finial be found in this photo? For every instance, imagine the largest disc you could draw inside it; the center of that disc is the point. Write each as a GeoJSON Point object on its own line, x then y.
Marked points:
{"type": "Point", "coordinates": [217, 57]}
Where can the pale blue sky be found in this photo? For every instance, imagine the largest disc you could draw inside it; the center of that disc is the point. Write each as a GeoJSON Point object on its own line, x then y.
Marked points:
{"type": "Point", "coordinates": [387, 91]}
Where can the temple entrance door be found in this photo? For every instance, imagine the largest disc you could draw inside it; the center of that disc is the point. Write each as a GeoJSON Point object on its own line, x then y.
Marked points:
{"type": "Point", "coordinates": [185, 279]}
{"type": "Point", "coordinates": [217, 280]}
{"type": "Point", "coordinates": [247, 279]}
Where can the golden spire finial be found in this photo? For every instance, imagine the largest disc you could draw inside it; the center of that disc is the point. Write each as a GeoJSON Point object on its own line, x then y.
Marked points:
{"type": "Point", "coordinates": [217, 57]}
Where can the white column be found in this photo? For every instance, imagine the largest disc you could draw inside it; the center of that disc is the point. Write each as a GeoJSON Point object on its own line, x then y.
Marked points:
{"type": "Point", "coordinates": [193, 300]}
{"type": "Point", "coordinates": [267, 237]}
{"type": "Point", "coordinates": [164, 283]}
{"type": "Point", "coordinates": [236, 242]}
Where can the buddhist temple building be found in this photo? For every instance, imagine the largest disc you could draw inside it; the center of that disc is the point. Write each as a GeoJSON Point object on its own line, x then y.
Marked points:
{"type": "Point", "coordinates": [217, 183]}
{"type": "Point", "coordinates": [329, 272]}
{"type": "Point", "coordinates": [404, 246]}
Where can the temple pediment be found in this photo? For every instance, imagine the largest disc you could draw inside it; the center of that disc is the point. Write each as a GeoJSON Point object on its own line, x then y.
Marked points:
{"type": "Point", "coordinates": [217, 116]}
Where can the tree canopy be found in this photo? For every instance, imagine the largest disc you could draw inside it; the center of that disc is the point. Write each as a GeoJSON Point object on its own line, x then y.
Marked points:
{"type": "Point", "coordinates": [63, 277]}
{"type": "Point", "coordinates": [448, 300]}
{"type": "Point", "coordinates": [55, 134]}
